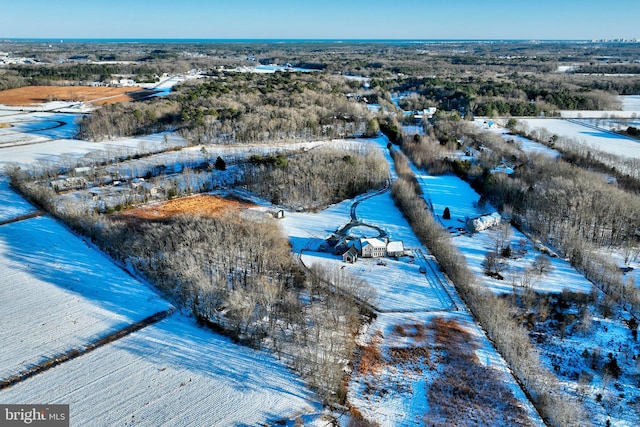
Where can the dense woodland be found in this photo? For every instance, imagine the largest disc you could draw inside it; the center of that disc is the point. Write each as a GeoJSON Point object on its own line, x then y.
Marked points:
{"type": "Point", "coordinates": [238, 276]}
{"type": "Point", "coordinates": [241, 108]}
{"type": "Point", "coordinates": [316, 178]}
{"type": "Point", "coordinates": [514, 78]}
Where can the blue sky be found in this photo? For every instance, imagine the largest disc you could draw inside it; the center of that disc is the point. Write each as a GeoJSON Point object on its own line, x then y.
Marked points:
{"type": "Point", "coordinates": [321, 19]}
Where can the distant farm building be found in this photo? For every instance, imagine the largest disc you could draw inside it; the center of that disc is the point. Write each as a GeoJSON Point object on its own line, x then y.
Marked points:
{"type": "Point", "coordinates": [279, 214]}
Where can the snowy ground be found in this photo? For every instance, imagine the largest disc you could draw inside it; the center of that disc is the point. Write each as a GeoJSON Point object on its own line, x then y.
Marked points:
{"type": "Point", "coordinates": [272, 68]}
{"type": "Point", "coordinates": [454, 193]}
{"type": "Point", "coordinates": [60, 294]}
{"type": "Point", "coordinates": [631, 103]}
{"type": "Point", "coordinates": [577, 355]}
{"type": "Point", "coordinates": [527, 145]}
{"type": "Point", "coordinates": [34, 140]}
{"type": "Point", "coordinates": [397, 392]}
{"type": "Point", "coordinates": [399, 284]}
{"type": "Point", "coordinates": [560, 275]}
{"type": "Point", "coordinates": [171, 373]}
{"type": "Point", "coordinates": [597, 138]}
{"type": "Point", "coordinates": [12, 204]}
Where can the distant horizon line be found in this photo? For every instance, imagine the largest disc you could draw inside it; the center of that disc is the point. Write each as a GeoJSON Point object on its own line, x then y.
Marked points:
{"type": "Point", "coordinates": [298, 40]}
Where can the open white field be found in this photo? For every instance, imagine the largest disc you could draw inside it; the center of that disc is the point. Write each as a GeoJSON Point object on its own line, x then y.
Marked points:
{"type": "Point", "coordinates": [11, 204]}
{"type": "Point", "coordinates": [631, 103]}
{"type": "Point", "coordinates": [560, 274]}
{"type": "Point", "coordinates": [28, 128]}
{"type": "Point", "coordinates": [309, 230]}
{"type": "Point", "coordinates": [449, 191]}
{"type": "Point", "coordinates": [381, 211]}
{"type": "Point", "coordinates": [599, 139]}
{"type": "Point", "coordinates": [168, 374]}
{"type": "Point", "coordinates": [58, 294]}
{"type": "Point", "coordinates": [399, 284]}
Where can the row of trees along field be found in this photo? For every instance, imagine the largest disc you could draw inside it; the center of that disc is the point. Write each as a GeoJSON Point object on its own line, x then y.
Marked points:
{"type": "Point", "coordinates": [242, 107]}
{"type": "Point", "coordinates": [82, 72]}
{"type": "Point", "coordinates": [494, 314]}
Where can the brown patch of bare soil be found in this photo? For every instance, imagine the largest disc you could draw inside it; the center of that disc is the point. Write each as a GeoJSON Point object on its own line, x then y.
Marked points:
{"type": "Point", "coordinates": [460, 390]}
{"type": "Point", "coordinates": [371, 360]}
{"type": "Point", "coordinates": [200, 205]}
{"type": "Point", "coordinates": [99, 95]}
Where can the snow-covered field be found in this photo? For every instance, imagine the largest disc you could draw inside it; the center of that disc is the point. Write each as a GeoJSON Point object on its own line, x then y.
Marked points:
{"type": "Point", "coordinates": [60, 294]}
{"type": "Point", "coordinates": [599, 139]}
{"type": "Point", "coordinates": [11, 204]}
{"type": "Point", "coordinates": [399, 284]}
{"type": "Point", "coordinates": [397, 391]}
{"type": "Point", "coordinates": [631, 103]}
{"type": "Point", "coordinates": [527, 145]}
{"type": "Point", "coordinates": [560, 274]}
{"type": "Point", "coordinates": [462, 201]}
{"type": "Point", "coordinates": [167, 374]}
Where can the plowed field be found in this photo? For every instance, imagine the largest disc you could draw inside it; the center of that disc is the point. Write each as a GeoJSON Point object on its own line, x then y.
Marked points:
{"type": "Point", "coordinates": [200, 205]}
{"type": "Point", "coordinates": [30, 95]}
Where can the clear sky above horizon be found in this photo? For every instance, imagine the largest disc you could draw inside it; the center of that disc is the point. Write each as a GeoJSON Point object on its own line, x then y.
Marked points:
{"type": "Point", "coordinates": [321, 19]}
